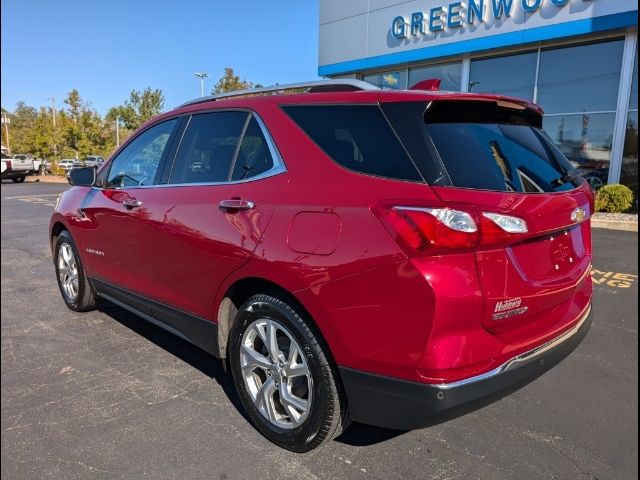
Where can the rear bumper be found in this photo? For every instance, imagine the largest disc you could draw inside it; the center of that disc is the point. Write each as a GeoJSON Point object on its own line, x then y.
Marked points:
{"type": "Point", "coordinates": [403, 405]}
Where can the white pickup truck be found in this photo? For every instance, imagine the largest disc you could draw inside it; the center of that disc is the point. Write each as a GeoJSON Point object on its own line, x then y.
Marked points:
{"type": "Point", "coordinates": [17, 168]}
{"type": "Point", "coordinates": [26, 161]}
{"type": "Point", "coordinates": [13, 172]}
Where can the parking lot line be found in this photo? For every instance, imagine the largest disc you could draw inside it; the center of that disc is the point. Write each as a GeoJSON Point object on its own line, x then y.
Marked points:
{"type": "Point", "coordinates": [18, 197]}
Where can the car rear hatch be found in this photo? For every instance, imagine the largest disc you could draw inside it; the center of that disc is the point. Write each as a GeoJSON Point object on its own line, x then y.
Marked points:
{"type": "Point", "coordinates": [493, 168]}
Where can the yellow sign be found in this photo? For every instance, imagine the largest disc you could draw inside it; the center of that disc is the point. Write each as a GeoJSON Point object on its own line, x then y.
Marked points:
{"type": "Point", "coordinates": [613, 279]}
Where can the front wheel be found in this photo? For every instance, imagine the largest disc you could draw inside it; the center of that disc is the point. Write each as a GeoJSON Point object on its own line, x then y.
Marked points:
{"type": "Point", "coordinates": [18, 179]}
{"type": "Point", "coordinates": [285, 380]}
{"type": "Point", "coordinates": [72, 281]}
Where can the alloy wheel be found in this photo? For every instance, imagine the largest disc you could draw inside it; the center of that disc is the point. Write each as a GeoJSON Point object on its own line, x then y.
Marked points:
{"type": "Point", "coordinates": [68, 272]}
{"type": "Point", "coordinates": [276, 374]}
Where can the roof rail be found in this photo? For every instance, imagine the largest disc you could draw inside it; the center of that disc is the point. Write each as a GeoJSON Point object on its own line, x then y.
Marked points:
{"type": "Point", "coordinates": [332, 85]}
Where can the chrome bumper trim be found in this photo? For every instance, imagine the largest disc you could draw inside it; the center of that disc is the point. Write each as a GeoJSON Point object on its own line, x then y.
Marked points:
{"type": "Point", "coordinates": [522, 359]}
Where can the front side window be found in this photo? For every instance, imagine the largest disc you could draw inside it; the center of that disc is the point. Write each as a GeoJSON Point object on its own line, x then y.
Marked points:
{"type": "Point", "coordinates": [208, 148]}
{"type": "Point", "coordinates": [137, 164]}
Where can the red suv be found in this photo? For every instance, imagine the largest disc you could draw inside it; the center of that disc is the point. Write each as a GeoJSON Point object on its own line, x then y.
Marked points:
{"type": "Point", "coordinates": [391, 257]}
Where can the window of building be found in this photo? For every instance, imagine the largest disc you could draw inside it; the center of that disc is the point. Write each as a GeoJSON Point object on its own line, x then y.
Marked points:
{"type": "Point", "coordinates": [450, 75]}
{"type": "Point", "coordinates": [394, 80]}
{"type": "Point", "coordinates": [583, 78]}
{"type": "Point", "coordinates": [513, 75]}
{"type": "Point", "coordinates": [578, 89]}
{"type": "Point", "coordinates": [586, 140]}
{"type": "Point", "coordinates": [357, 137]}
{"type": "Point", "coordinates": [208, 147]}
{"type": "Point", "coordinates": [629, 173]}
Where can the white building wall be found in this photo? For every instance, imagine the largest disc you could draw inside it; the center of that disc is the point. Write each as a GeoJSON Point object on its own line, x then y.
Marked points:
{"type": "Point", "coordinates": [361, 29]}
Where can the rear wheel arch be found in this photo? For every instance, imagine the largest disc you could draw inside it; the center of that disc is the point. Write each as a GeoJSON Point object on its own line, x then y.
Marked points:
{"type": "Point", "coordinates": [244, 289]}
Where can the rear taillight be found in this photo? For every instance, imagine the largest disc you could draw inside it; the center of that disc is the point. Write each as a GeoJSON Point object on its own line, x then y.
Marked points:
{"type": "Point", "coordinates": [427, 230]}
{"type": "Point", "coordinates": [8, 162]}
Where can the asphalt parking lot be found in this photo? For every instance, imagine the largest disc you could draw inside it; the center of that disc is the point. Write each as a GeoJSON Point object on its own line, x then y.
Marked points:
{"type": "Point", "coordinates": [107, 395]}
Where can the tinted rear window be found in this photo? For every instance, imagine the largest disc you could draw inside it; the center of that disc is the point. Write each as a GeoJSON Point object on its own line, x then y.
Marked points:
{"type": "Point", "coordinates": [476, 145]}
{"type": "Point", "coordinates": [357, 137]}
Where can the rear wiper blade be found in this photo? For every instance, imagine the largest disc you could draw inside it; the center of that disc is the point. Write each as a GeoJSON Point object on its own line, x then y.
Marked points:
{"type": "Point", "coordinates": [565, 179]}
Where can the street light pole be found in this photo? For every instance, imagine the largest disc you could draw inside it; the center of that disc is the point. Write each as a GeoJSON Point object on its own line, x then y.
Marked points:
{"type": "Point", "coordinates": [201, 76]}
{"type": "Point", "coordinates": [117, 131]}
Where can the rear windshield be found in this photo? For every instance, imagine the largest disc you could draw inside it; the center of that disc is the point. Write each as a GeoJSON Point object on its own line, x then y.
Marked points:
{"type": "Point", "coordinates": [481, 146]}
{"type": "Point", "coordinates": [357, 137]}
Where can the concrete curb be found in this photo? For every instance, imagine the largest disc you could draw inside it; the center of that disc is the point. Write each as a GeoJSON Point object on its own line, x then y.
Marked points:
{"type": "Point", "coordinates": [47, 179]}
{"type": "Point", "coordinates": [615, 225]}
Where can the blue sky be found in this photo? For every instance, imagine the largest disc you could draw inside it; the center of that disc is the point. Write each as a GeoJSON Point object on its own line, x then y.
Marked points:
{"type": "Point", "coordinates": [107, 48]}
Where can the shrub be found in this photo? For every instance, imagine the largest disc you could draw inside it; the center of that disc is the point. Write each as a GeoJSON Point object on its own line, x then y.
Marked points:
{"type": "Point", "coordinates": [56, 170]}
{"type": "Point", "coordinates": [614, 198]}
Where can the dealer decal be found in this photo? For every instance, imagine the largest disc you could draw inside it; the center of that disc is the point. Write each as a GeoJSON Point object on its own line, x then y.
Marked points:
{"type": "Point", "coordinates": [508, 308]}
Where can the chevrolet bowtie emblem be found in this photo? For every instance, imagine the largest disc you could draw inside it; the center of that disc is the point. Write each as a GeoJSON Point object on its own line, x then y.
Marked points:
{"type": "Point", "coordinates": [578, 214]}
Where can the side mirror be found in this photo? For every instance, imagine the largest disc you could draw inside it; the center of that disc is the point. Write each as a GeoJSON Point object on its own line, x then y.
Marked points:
{"type": "Point", "coordinates": [82, 177]}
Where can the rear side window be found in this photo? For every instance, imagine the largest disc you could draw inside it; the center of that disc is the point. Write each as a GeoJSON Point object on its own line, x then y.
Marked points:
{"type": "Point", "coordinates": [357, 137]}
{"type": "Point", "coordinates": [208, 147]}
{"type": "Point", "coordinates": [481, 146]}
{"type": "Point", "coordinates": [254, 156]}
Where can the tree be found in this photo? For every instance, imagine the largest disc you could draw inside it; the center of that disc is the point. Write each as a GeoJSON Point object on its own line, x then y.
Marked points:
{"type": "Point", "coordinates": [83, 130]}
{"type": "Point", "coordinates": [140, 107]}
{"type": "Point", "coordinates": [230, 82]}
{"type": "Point", "coordinates": [43, 135]}
{"type": "Point", "coordinates": [22, 121]}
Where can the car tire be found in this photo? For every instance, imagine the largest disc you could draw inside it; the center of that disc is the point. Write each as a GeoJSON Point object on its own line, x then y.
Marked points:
{"type": "Point", "coordinates": [275, 395]}
{"type": "Point", "coordinates": [19, 179]}
{"type": "Point", "coordinates": [73, 283]}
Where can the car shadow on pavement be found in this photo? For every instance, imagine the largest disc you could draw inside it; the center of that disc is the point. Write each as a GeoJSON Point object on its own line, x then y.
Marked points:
{"type": "Point", "coordinates": [357, 434]}
{"type": "Point", "coordinates": [185, 351]}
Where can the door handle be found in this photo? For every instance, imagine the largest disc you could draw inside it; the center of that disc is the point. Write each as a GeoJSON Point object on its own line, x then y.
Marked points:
{"type": "Point", "coordinates": [131, 203]}
{"type": "Point", "coordinates": [236, 204]}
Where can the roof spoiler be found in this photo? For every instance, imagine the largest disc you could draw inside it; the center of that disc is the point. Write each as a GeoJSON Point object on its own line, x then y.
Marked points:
{"type": "Point", "coordinates": [431, 84]}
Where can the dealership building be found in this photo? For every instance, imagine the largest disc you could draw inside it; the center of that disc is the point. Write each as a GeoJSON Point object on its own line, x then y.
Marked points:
{"type": "Point", "coordinates": [576, 58]}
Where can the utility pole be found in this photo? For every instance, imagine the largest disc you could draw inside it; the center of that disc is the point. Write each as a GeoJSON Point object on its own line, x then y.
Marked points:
{"type": "Point", "coordinates": [117, 131]}
{"type": "Point", "coordinates": [53, 113]}
{"type": "Point", "coordinates": [53, 110]}
{"type": "Point", "coordinates": [201, 76]}
{"type": "Point", "coordinates": [6, 120]}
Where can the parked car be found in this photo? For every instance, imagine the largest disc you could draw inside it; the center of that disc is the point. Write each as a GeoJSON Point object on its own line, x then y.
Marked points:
{"type": "Point", "coordinates": [391, 257]}
{"type": "Point", "coordinates": [66, 164]}
{"type": "Point", "coordinates": [90, 161]}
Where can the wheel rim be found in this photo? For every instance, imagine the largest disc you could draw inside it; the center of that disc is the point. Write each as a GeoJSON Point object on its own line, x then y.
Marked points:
{"type": "Point", "coordinates": [68, 272]}
{"type": "Point", "coordinates": [276, 374]}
